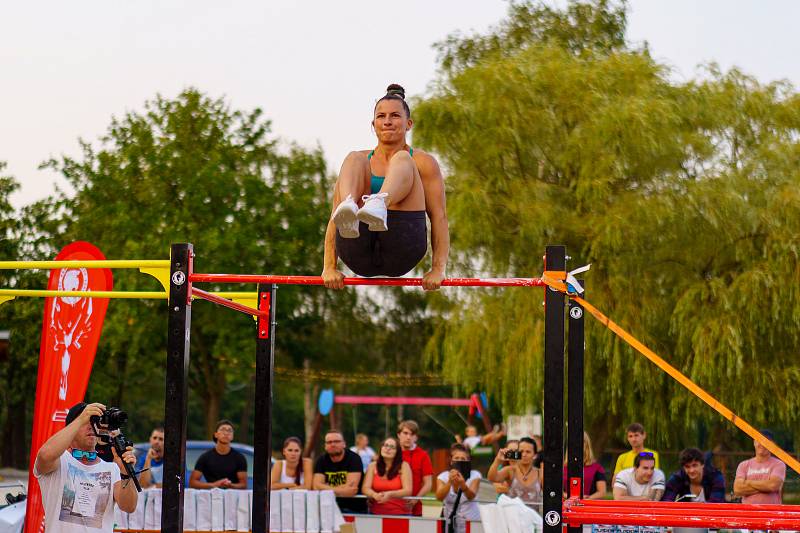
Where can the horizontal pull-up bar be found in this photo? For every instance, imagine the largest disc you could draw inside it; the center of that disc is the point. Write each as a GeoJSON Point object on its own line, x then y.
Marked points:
{"type": "Point", "coordinates": [105, 263]}
{"type": "Point", "coordinates": [385, 400]}
{"type": "Point", "coordinates": [407, 282]}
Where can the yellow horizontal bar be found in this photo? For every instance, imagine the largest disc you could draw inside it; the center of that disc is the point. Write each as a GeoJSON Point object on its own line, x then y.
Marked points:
{"type": "Point", "coordinates": [36, 293]}
{"type": "Point", "coordinates": [108, 263]}
{"type": "Point", "coordinates": [84, 294]}
{"type": "Point", "coordinates": [231, 295]}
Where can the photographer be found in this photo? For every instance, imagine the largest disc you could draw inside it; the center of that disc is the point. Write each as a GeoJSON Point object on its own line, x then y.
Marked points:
{"type": "Point", "coordinates": [459, 477]}
{"type": "Point", "coordinates": [78, 488]}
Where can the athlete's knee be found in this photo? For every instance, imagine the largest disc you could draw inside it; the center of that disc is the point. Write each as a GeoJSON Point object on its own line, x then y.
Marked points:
{"type": "Point", "coordinates": [401, 156]}
{"type": "Point", "coordinates": [403, 162]}
{"type": "Point", "coordinates": [356, 159]}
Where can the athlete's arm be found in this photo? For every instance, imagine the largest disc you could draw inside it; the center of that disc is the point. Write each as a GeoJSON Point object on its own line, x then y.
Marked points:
{"type": "Point", "coordinates": [331, 276]}
{"type": "Point", "coordinates": [436, 206]}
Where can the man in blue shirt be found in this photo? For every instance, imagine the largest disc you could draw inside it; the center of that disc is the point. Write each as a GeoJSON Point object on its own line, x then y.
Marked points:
{"type": "Point", "coordinates": [153, 462]}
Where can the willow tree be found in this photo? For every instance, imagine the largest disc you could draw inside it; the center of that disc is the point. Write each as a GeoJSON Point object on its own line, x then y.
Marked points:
{"type": "Point", "coordinates": [682, 196]}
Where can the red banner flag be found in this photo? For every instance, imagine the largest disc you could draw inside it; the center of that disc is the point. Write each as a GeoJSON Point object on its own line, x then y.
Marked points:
{"type": "Point", "coordinates": [70, 334]}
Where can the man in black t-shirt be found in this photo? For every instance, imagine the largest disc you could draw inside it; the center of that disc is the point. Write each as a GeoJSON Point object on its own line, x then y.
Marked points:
{"type": "Point", "coordinates": [340, 470]}
{"type": "Point", "coordinates": [221, 466]}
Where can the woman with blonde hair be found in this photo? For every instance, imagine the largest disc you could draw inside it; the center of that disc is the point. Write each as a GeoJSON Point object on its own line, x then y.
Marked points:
{"type": "Point", "coordinates": [594, 476]}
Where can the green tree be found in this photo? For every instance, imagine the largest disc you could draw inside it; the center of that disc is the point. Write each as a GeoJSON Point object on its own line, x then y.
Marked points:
{"type": "Point", "coordinates": [554, 130]}
{"type": "Point", "coordinates": [190, 169]}
{"type": "Point", "coordinates": [22, 319]}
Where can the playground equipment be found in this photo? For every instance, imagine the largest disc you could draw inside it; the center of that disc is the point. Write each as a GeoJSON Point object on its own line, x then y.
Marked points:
{"type": "Point", "coordinates": [327, 400]}
{"type": "Point", "coordinates": [562, 286]}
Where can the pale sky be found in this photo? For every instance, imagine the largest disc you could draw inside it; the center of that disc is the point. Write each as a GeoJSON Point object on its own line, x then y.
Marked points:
{"type": "Point", "coordinates": [316, 68]}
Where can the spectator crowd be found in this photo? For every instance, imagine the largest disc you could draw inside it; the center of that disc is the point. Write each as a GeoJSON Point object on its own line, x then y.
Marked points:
{"type": "Point", "coordinates": [80, 489]}
{"type": "Point", "coordinates": [391, 479]}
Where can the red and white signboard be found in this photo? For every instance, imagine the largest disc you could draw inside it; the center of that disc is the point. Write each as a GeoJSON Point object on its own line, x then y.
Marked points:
{"type": "Point", "coordinates": [70, 333]}
{"type": "Point", "coordinates": [404, 524]}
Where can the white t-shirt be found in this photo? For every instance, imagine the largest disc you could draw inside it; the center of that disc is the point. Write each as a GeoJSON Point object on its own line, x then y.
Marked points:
{"type": "Point", "coordinates": [471, 442]}
{"type": "Point", "coordinates": [78, 498]}
{"type": "Point", "coordinates": [627, 480]}
{"type": "Point", "coordinates": [467, 509]}
{"type": "Point", "coordinates": [366, 455]}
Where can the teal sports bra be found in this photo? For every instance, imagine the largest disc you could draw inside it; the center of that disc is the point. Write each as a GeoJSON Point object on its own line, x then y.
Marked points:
{"type": "Point", "coordinates": [376, 182]}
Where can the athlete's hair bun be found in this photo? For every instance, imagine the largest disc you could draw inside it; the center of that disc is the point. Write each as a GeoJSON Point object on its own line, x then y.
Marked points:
{"type": "Point", "coordinates": [396, 90]}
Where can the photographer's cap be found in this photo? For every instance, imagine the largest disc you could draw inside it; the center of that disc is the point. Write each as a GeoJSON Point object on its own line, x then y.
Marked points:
{"type": "Point", "coordinates": [75, 411]}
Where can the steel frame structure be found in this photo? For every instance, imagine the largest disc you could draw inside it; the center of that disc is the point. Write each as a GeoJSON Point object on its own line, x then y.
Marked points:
{"type": "Point", "coordinates": [181, 293]}
{"type": "Point", "coordinates": [572, 513]}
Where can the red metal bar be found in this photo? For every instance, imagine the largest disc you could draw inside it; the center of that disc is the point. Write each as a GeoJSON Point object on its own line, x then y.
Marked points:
{"type": "Point", "coordinates": [714, 510]}
{"type": "Point", "coordinates": [407, 282]}
{"type": "Point", "coordinates": [228, 303]}
{"type": "Point", "coordinates": [681, 505]}
{"type": "Point", "coordinates": [714, 515]}
{"type": "Point", "coordinates": [385, 400]}
{"type": "Point", "coordinates": [697, 521]}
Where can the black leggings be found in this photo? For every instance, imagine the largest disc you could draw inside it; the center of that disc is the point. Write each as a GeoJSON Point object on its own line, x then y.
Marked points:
{"type": "Point", "coordinates": [386, 253]}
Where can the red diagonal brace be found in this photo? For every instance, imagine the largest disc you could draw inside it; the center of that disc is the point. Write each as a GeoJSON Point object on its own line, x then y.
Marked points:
{"type": "Point", "coordinates": [228, 303]}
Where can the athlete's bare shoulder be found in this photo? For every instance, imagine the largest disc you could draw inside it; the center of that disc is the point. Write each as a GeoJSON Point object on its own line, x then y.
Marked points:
{"type": "Point", "coordinates": [426, 163]}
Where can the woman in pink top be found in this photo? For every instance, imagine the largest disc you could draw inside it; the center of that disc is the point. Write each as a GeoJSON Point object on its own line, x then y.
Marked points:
{"type": "Point", "coordinates": [388, 480]}
{"type": "Point", "coordinates": [594, 476]}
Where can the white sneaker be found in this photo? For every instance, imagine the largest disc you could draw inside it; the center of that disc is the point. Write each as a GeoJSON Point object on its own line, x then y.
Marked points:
{"type": "Point", "coordinates": [374, 211]}
{"type": "Point", "coordinates": [344, 217]}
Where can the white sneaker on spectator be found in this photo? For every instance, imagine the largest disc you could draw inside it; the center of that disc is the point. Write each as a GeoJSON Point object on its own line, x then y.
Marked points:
{"type": "Point", "coordinates": [374, 211]}
{"type": "Point", "coordinates": [344, 217]}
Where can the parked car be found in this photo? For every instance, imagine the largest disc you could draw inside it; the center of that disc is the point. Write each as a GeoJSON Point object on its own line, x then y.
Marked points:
{"type": "Point", "coordinates": [195, 448]}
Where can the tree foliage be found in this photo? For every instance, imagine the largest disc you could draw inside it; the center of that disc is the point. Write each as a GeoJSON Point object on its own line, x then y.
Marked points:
{"type": "Point", "coordinates": [22, 319]}
{"type": "Point", "coordinates": [683, 196]}
{"type": "Point", "coordinates": [190, 169]}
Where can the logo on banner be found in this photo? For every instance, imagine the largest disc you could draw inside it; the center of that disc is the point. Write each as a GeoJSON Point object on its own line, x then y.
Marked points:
{"type": "Point", "coordinates": [70, 322]}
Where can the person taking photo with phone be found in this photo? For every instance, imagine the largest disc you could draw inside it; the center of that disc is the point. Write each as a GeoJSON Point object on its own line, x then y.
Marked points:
{"type": "Point", "coordinates": [462, 478]}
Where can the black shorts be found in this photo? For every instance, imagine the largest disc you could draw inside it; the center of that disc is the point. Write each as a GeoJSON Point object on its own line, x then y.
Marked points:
{"type": "Point", "coordinates": [386, 253]}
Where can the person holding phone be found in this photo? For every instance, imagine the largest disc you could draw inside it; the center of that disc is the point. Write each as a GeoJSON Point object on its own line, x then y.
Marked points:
{"type": "Point", "coordinates": [523, 477]}
{"type": "Point", "coordinates": [462, 478]}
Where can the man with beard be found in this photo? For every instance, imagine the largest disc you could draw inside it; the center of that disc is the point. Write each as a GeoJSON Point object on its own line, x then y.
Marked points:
{"type": "Point", "coordinates": [152, 463]}
{"type": "Point", "coordinates": [340, 470]}
{"type": "Point", "coordinates": [78, 488]}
